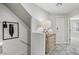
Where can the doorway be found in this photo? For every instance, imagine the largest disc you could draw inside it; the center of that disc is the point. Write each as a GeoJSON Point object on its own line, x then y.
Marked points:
{"type": "Point", "coordinates": [74, 33]}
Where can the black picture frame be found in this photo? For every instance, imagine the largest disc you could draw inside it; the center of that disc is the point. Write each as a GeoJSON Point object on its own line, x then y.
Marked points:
{"type": "Point", "coordinates": [4, 28]}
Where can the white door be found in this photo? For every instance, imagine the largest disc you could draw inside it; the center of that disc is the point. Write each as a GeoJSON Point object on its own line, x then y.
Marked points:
{"type": "Point", "coordinates": [59, 30]}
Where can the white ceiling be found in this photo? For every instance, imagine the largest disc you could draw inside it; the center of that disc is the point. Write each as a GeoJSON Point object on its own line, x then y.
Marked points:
{"type": "Point", "coordinates": [52, 8]}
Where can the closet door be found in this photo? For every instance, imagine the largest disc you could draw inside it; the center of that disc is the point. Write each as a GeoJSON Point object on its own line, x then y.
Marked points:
{"type": "Point", "coordinates": [60, 30]}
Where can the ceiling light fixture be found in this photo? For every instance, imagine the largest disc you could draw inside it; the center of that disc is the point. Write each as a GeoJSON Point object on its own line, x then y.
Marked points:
{"type": "Point", "coordinates": [59, 4]}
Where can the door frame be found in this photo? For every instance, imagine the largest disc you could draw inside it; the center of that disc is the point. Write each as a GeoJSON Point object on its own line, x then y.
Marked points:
{"type": "Point", "coordinates": [65, 18]}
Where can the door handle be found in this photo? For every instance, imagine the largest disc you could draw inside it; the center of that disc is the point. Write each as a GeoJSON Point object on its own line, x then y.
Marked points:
{"type": "Point", "coordinates": [57, 28]}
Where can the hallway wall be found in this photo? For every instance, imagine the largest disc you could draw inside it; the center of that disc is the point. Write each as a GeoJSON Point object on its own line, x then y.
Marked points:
{"type": "Point", "coordinates": [20, 12]}
{"type": "Point", "coordinates": [14, 46]}
{"type": "Point", "coordinates": [36, 12]}
{"type": "Point", "coordinates": [38, 15]}
{"type": "Point", "coordinates": [34, 23]}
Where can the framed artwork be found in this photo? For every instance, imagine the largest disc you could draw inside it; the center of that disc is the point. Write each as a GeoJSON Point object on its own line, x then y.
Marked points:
{"type": "Point", "coordinates": [10, 30]}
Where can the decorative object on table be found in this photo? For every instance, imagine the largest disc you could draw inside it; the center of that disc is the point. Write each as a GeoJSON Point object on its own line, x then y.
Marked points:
{"type": "Point", "coordinates": [10, 30]}
{"type": "Point", "coordinates": [50, 37]}
{"type": "Point", "coordinates": [44, 26]}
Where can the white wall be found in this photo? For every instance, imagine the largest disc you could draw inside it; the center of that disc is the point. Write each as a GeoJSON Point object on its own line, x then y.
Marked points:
{"type": "Point", "coordinates": [53, 23]}
{"type": "Point", "coordinates": [34, 24]}
{"type": "Point", "coordinates": [36, 12]}
{"type": "Point", "coordinates": [37, 39]}
{"type": "Point", "coordinates": [13, 46]}
{"type": "Point", "coordinates": [20, 11]}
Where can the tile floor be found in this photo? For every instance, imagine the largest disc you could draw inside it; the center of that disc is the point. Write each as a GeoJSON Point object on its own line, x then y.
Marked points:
{"type": "Point", "coordinates": [66, 50]}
